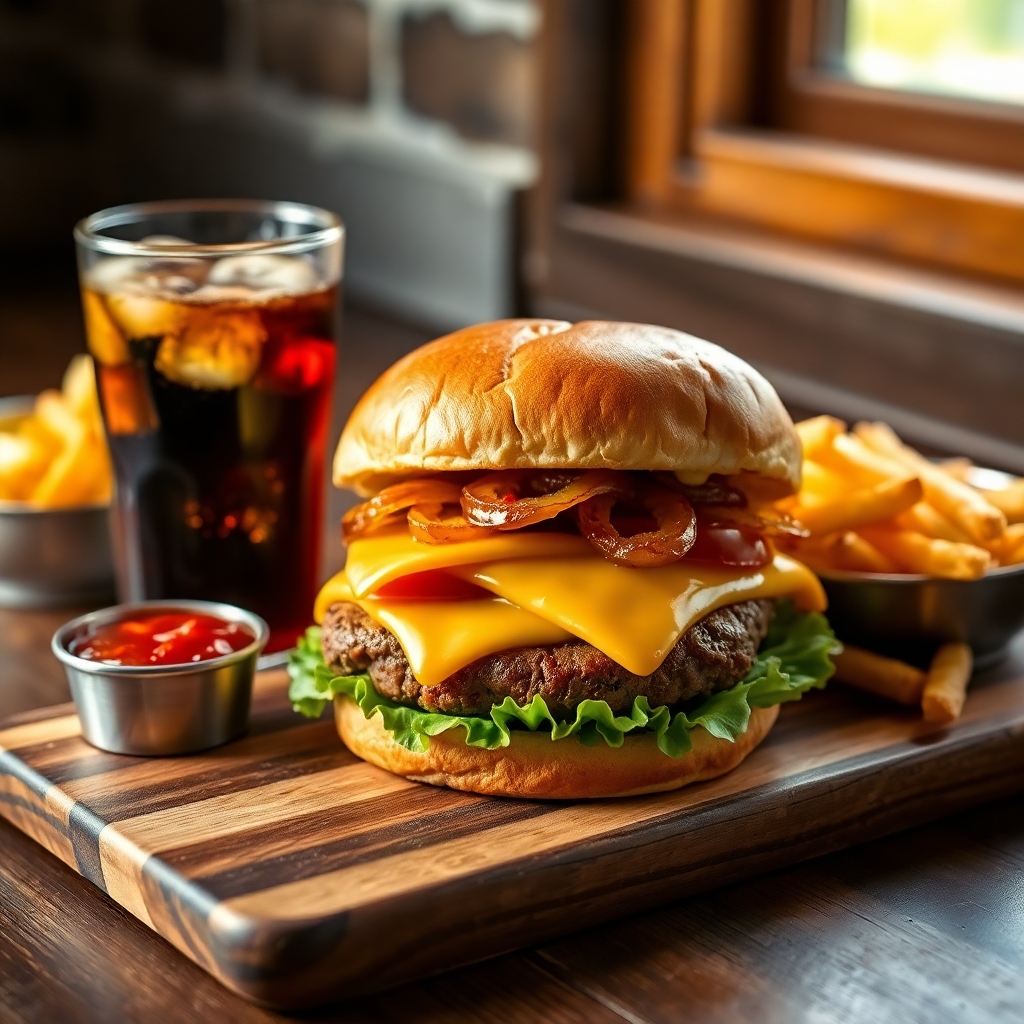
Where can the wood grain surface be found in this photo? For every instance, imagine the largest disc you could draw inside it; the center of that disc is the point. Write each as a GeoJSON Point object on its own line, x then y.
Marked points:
{"type": "Point", "coordinates": [296, 874]}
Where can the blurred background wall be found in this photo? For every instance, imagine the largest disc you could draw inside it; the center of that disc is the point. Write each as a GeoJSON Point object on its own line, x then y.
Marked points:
{"type": "Point", "coordinates": [411, 118]}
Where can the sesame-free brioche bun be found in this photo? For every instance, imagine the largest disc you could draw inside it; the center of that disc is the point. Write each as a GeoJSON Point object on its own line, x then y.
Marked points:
{"type": "Point", "coordinates": [533, 765]}
{"type": "Point", "coordinates": [524, 394]}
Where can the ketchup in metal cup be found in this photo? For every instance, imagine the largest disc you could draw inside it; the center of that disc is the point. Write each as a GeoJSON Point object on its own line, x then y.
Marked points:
{"type": "Point", "coordinates": [162, 638]}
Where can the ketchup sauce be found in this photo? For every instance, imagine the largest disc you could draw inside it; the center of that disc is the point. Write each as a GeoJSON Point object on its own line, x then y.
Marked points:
{"type": "Point", "coordinates": [162, 638]}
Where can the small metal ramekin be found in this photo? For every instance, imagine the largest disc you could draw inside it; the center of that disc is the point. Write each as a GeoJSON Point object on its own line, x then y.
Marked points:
{"type": "Point", "coordinates": [161, 709]}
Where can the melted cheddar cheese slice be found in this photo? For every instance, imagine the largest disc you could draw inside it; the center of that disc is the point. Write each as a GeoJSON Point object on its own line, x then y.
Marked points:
{"type": "Point", "coordinates": [440, 637]}
{"type": "Point", "coordinates": [548, 588]}
{"type": "Point", "coordinates": [635, 616]}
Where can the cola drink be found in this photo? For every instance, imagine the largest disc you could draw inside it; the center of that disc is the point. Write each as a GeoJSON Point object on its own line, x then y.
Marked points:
{"type": "Point", "coordinates": [215, 380]}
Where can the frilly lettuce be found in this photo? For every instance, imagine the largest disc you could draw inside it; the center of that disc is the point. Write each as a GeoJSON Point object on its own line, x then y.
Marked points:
{"type": "Point", "coordinates": [793, 658]}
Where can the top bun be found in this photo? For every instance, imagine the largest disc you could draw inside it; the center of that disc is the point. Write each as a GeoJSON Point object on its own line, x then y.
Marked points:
{"type": "Point", "coordinates": [522, 394]}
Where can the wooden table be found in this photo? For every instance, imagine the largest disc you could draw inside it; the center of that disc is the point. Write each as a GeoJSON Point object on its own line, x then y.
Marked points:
{"type": "Point", "coordinates": [924, 926]}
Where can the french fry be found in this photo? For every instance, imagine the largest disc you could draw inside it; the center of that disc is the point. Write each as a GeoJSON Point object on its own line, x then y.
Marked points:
{"type": "Point", "coordinates": [1009, 549]}
{"type": "Point", "coordinates": [966, 507]}
{"type": "Point", "coordinates": [57, 455]}
{"type": "Point", "coordinates": [1010, 501]}
{"type": "Point", "coordinates": [820, 484]}
{"type": "Point", "coordinates": [958, 468]}
{"type": "Point", "coordinates": [861, 508]}
{"type": "Point", "coordinates": [856, 554]}
{"type": "Point", "coordinates": [885, 677]}
{"type": "Point", "coordinates": [945, 689]}
{"type": "Point", "coordinates": [22, 464]}
{"type": "Point", "coordinates": [914, 552]}
{"type": "Point", "coordinates": [848, 552]}
{"type": "Point", "coordinates": [850, 456]}
{"type": "Point", "coordinates": [816, 434]}
{"type": "Point", "coordinates": [923, 518]}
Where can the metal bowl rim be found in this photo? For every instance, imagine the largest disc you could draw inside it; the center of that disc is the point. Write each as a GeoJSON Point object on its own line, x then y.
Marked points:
{"type": "Point", "coordinates": [104, 616]}
{"type": "Point", "coordinates": [844, 576]}
{"type": "Point", "coordinates": [24, 508]}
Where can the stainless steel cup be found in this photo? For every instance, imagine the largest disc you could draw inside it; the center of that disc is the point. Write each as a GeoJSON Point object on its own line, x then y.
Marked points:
{"type": "Point", "coordinates": [909, 616]}
{"type": "Point", "coordinates": [161, 709]}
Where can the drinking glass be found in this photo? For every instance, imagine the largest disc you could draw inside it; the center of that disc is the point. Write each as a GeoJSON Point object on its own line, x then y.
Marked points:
{"type": "Point", "coordinates": [212, 325]}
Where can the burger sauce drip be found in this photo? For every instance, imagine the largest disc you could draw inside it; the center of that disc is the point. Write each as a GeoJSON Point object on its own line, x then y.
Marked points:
{"type": "Point", "coordinates": [163, 638]}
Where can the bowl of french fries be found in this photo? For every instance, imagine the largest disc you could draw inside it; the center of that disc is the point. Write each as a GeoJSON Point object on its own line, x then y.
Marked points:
{"type": "Point", "coordinates": [55, 489]}
{"type": "Point", "coordinates": [913, 553]}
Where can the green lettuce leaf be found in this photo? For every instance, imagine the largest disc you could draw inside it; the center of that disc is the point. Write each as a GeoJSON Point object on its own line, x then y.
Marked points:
{"type": "Point", "coordinates": [793, 658]}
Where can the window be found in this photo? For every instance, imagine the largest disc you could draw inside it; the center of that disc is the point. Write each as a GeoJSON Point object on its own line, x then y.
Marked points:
{"type": "Point", "coordinates": [892, 126]}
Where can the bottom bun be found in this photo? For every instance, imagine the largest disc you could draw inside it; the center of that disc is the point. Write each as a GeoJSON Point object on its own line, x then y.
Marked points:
{"type": "Point", "coordinates": [533, 765]}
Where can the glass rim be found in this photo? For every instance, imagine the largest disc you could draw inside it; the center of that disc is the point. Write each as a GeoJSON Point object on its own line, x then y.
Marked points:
{"type": "Point", "coordinates": [327, 228]}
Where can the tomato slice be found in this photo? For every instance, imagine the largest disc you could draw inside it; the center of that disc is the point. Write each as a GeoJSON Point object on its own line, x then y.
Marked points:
{"type": "Point", "coordinates": [432, 585]}
{"type": "Point", "coordinates": [730, 545]}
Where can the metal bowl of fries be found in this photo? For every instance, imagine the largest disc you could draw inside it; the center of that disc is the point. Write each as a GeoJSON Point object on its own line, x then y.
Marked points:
{"type": "Point", "coordinates": [912, 553]}
{"type": "Point", "coordinates": [54, 497]}
{"type": "Point", "coordinates": [910, 616]}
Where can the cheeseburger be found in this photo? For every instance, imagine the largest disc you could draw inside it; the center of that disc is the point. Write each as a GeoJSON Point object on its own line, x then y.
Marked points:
{"type": "Point", "coordinates": [562, 582]}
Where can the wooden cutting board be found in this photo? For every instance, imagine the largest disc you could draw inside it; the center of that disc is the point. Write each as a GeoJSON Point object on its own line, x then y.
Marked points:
{"type": "Point", "coordinates": [296, 874]}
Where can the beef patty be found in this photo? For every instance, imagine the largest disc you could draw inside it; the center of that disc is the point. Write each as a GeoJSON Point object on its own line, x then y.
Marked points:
{"type": "Point", "coordinates": [711, 655]}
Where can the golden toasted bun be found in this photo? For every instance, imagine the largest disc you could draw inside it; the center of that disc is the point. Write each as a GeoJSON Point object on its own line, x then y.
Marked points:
{"type": "Point", "coordinates": [549, 394]}
{"type": "Point", "coordinates": [534, 766]}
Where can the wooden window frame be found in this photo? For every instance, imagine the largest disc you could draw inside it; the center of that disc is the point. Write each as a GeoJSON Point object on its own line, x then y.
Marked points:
{"type": "Point", "coordinates": [697, 145]}
{"type": "Point", "coordinates": [808, 99]}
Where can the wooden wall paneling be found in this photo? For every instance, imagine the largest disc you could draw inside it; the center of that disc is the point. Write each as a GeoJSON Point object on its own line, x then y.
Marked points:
{"type": "Point", "coordinates": [617, 266]}
{"type": "Point", "coordinates": [658, 39]}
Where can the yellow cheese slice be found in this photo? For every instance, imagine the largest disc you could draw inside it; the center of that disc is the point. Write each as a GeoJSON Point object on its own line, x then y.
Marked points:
{"type": "Point", "coordinates": [379, 559]}
{"type": "Point", "coordinates": [635, 616]}
{"type": "Point", "coordinates": [440, 637]}
{"type": "Point", "coordinates": [548, 588]}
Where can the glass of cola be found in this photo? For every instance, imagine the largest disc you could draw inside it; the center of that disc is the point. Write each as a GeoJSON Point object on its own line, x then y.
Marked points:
{"type": "Point", "coordinates": [212, 325]}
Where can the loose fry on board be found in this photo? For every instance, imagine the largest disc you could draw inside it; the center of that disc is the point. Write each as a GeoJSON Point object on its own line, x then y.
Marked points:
{"type": "Point", "coordinates": [817, 433]}
{"type": "Point", "coordinates": [966, 507]}
{"type": "Point", "coordinates": [945, 689]}
{"type": "Point", "coordinates": [861, 508]}
{"type": "Point", "coordinates": [1010, 501]}
{"type": "Point", "coordinates": [885, 677]}
{"type": "Point", "coordinates": [914, 552]}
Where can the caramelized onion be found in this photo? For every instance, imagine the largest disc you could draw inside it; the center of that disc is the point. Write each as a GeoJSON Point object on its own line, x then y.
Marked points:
{"type": "Point", "coordinates": [675, 534]}
{"type": "Point", "coordinates": [443, 523]}
{"type": "Point", "coordinates": [514, 498]}
{"type": "Point", "coordinates": [381, 510]}
{"type": "Point", "coordinates": [770, 522]}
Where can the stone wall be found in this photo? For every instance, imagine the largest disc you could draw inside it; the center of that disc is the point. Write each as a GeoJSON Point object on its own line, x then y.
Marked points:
{"type": "Point", "coordinates": [412, 118]}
